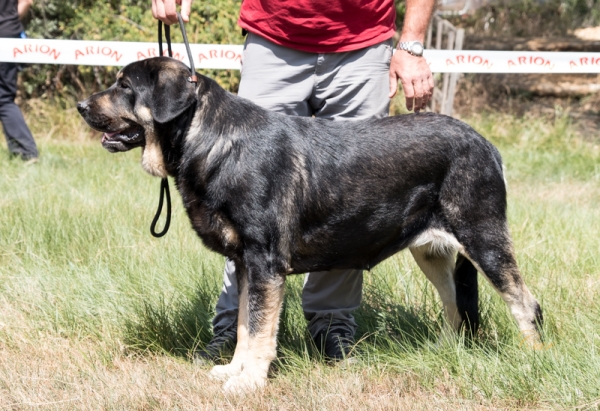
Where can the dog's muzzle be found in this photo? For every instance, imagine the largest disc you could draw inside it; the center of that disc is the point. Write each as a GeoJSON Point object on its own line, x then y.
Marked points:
{"type": "Point", "coordinates": [123, 140]}
{"type": "Point", "coordinates": [114, 141]}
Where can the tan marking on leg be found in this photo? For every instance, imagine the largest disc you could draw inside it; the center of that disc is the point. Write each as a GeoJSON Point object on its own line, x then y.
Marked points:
{"type": "Point", "coordinates": [262, 347]}
{"type": "Point", "coordinates": [234, 368]}
{"type": "Point", "coordinates": [521, 303]}
{"type": "Point", "coordinates": [439, 269]}
{"type": "Point", "coordinates": [522, 306]}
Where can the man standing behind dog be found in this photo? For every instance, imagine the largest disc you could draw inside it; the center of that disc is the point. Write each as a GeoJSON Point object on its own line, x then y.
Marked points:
{"type": "Point", "coordinates": [332, 60]}
{"type": "Point", "coordinates": [18, 137]}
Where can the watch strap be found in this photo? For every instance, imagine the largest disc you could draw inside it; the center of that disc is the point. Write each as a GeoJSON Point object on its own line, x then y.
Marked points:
{"type": "Point", "coordinates": [407, 46]}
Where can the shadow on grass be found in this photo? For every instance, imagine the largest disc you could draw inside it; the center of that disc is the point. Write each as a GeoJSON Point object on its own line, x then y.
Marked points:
{"type": "Point", "coordinates": [175, 327]}
{"type": "Point", "coordinates": [183, 325]}
{"type": "Point", "coordinates": [382, 321]}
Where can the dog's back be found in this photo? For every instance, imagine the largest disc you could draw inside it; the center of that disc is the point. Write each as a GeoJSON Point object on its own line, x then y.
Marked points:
{"type": "Point", "coordinates": [343, 194]}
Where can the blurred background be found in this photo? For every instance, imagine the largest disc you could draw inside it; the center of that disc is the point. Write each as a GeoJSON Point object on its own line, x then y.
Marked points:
{"type": "Point", "coordinates": [542, 25]}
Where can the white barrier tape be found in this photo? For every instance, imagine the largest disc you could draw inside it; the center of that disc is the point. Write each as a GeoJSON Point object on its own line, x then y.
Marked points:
{"type": "Point", "coordinates": [114, 53]}
{"type": "Point", "coordinates": [221, 56]}
{"type": "Point", "coordinates": [473, 61]}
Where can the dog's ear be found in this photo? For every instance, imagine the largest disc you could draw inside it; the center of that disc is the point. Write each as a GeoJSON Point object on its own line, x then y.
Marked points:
{"type": "Point", "coordinates": [172, 95]}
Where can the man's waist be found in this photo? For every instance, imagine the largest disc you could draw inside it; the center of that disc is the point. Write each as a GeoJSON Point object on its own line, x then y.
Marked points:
{"type": "Point", "coordinates": [316, 41]}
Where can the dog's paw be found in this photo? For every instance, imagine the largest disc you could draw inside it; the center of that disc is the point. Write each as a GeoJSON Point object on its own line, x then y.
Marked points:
{"type": "Point", "coordinates": [225, 372]}
{"type": "Point", "coordinates": [532, 340]}
{"type": "Point", "coordinates": [244, 383]}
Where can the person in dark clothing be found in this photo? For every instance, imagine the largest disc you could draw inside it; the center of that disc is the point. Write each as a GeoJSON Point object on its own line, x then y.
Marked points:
{"type": "Point", "coordinates": [18, 136]}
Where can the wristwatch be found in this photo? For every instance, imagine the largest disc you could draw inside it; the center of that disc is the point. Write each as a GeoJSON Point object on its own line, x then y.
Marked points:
{"type": "Point", "coordinates": [413, 47]}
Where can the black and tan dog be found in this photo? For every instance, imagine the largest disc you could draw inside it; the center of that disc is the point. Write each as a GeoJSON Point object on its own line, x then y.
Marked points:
{"type": "Point", "coordinates": [283, 195]}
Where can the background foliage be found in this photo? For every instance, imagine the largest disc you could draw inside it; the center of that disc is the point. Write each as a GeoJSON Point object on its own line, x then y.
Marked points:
{"type": "Point", "coordinates": [531, 18]}
{"type": "Point", "coordinates": [214, 21]}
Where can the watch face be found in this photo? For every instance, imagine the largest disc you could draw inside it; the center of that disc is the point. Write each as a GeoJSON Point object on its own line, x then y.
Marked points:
{"type": "Point", "coordinates": [417, 49]}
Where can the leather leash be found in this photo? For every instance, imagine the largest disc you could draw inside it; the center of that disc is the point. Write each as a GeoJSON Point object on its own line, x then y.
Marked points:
{"type": "Point", "coordinates": [164, 184]}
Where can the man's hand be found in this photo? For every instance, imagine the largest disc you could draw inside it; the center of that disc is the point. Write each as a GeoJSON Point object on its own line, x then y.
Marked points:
{"type": "Point", "coordinates": [416, 78]}
{"type": "Point", "coordinates": [412, 71]}
{"type": "Point", "coordinates": [23, 7]}
{"type": "Point", "coordinates": [166, 10]}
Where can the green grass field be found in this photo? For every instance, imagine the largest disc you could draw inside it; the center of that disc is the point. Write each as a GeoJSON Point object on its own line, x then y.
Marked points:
{"type": "Point", "coordinates": [98, 315]}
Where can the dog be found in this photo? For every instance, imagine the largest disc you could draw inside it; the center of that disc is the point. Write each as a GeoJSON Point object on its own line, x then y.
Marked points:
{"type": "Point", "coordinates": [282, 195]}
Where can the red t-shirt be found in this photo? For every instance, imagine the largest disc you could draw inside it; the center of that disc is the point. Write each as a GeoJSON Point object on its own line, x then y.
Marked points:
{"type": "Point", "coordinates": [320, 26]}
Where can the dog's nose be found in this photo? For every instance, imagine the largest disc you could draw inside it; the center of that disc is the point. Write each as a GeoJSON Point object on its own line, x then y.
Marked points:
{"type": "Point", "coordinates": [82, 107]}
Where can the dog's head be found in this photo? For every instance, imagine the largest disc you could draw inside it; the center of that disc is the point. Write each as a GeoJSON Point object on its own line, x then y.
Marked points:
{"type": "Point", "coordinates": [147, 93]}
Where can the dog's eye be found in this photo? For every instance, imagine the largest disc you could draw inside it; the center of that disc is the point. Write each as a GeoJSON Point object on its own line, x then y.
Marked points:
{"type": "Point", "coordinates": [124, 85]}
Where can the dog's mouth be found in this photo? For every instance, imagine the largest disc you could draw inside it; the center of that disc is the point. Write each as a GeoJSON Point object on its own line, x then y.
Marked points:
{"type": "Point", "coordinates": [123, 140]}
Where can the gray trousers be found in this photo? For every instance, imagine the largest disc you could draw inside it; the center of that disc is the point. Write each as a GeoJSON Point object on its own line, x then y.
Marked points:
{"type": "Point", "coordinates": [339, 86]}
{"type": "Point", "coordinates": [18, 137]}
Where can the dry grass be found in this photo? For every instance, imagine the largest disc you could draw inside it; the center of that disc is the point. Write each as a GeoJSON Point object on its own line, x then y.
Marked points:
{"type": "Point", "coordinates": [96, 315]}
{"type": "Point", "coordinates": [58, 373]}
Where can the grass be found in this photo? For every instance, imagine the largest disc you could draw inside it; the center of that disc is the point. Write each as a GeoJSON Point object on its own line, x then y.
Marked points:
{"type": "Point", "coordinates": [96, 314]}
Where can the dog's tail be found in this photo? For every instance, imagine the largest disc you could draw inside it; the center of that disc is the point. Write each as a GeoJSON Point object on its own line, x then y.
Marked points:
{"type": "Point", "coordinates": [467, 294]}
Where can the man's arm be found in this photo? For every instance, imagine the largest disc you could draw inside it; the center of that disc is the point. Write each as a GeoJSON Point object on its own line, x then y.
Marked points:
{"type": "Point", "coordinates": [412, 71]}
{"type": "Point", "coordinates": [166, 10]}
{"type": "Point", "coordinates": [23, 7]}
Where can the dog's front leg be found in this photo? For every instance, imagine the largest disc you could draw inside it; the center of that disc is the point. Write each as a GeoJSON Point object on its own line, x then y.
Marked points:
{"type": "Point", "coordinates": [264, 302]}
{"type": "Point", "coordinates": [224, 372]}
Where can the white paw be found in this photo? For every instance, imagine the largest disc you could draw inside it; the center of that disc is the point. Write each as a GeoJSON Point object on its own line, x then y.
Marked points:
{"type": "Point", "coordinates": [244, 383]}
{"type": "Point", "coordinates": [531, 339]}
{"type": "Point", "coordinates": [224, 372]}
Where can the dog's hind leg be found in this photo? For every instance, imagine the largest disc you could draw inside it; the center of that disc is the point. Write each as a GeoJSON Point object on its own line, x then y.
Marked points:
{"type": "Point", "coordinates": [455, 280]}
{"type": "Point", "coordinates": [473, 204]}
{"type": "Point", "coordinates": [489, 248]}
{"type": "Point", "coordinates": [467, 294]}
{"type": "Point", "coordinates": [264, 302]}
{"type": "Point", "coordinates": [438, 267]}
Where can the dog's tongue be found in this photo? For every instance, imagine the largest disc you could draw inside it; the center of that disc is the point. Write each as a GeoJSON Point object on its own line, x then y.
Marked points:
{"type": "Point", "coordinates": [107, 136]}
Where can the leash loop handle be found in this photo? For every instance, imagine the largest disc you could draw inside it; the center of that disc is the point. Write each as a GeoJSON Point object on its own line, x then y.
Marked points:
{"type": "Point", "coordinates": [164, 184]}
{"type": "Point", "coordinates": [167, 36]}
{"type": "Point", "coordinates": [164, 192]}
